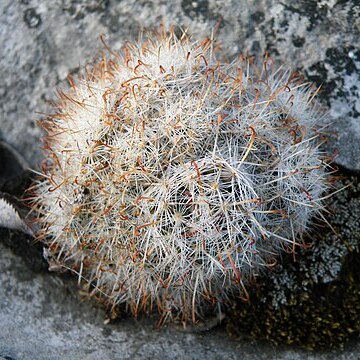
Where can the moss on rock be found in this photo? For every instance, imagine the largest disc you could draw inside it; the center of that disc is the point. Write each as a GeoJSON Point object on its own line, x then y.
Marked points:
{"type": "Point", "coordinates": [314, 301]}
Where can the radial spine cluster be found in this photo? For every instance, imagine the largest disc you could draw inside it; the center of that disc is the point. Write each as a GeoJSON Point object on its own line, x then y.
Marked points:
{"type": "Point", "coordinates": [172, 178]}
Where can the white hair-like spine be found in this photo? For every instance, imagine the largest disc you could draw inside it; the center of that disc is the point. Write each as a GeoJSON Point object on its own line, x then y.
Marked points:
{"type": "Point", "coordinates": [172, 177]}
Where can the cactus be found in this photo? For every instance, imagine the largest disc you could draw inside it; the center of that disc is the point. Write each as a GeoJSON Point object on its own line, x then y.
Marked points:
{"type": "Point", "coordinates": [172, 178]}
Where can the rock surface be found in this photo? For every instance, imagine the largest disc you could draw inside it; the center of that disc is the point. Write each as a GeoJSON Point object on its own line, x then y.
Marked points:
{"type": "Point", "coordinates": [42, 318]}
{"type": "Point", "coordinates": [42, 42]}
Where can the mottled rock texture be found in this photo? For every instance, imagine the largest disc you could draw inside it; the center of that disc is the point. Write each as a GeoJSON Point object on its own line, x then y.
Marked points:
{"type": "Point", "coordinates": [42, 42]}
{"type": "Point", "coordinates": [41, 318]}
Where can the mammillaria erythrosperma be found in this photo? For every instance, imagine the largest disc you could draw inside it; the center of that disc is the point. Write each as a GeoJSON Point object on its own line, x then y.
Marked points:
{"type": "Point", "coordinates": [172, 177]}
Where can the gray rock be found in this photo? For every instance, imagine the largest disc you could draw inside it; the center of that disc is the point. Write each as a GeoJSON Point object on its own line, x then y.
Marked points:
{"type": "Point", "coordinates": [42, 42]}
{"type": "Point", "coordinates": [42, 318]}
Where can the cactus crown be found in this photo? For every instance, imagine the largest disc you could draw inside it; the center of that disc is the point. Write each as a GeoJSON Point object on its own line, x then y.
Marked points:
{"type": "Point", "coordinates": [172, 178]}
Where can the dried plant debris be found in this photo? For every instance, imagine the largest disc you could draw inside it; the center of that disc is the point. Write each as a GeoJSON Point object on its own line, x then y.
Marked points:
{"type": "Point", "coordinates": [314, 300]}
{"type": "Point", "coordinates": [14, 179]}
{"type": "Point", "coordinates": [16, 230]}
{"type": "Point", "coordinates": [10, 215]}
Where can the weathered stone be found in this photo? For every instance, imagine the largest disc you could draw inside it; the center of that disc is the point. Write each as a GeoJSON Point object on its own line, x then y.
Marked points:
{"type": "Point", "coordinates": [43, 42]}
{"type": "Point", "coordinates": [42, 317]}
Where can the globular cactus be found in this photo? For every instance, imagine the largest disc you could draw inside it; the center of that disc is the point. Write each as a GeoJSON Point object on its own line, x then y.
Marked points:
{"type": "Point", "coordinates": [172, 178]}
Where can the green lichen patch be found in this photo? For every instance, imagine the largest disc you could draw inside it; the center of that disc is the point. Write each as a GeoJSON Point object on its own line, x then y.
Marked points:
{"type": "Point", "coordinates": [314, 301]}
